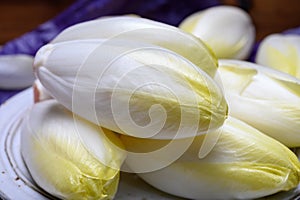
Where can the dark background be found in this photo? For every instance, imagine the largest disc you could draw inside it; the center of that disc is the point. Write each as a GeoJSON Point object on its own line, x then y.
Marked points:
{"type": "Point", "coordinates": [18, 16]}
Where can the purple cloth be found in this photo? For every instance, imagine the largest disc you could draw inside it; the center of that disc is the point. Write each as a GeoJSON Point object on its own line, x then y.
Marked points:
{"type": "Point", "coordinates": [293, 31]}
{"type": "Point", "coordinates": [6, 94]}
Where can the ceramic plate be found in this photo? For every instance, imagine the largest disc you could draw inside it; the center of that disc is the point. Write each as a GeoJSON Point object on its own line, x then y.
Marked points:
{"type": "Point", "coordinates": [16, 183]}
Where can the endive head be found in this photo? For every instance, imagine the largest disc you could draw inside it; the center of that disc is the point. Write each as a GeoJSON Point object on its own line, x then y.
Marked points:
{"type": "Point", "coordinates": [227, 30]}
{"type": "Point", "coordinates": [16, 71]}
{"type": "Point", "coordinates": [243, 164]}
{"type": "Point", "coordinates": [69, 157]}
{"type": "Point", "coordinates": [281, 52]}
{"type": "Point", "coordinates": [144, 31]}
{"type": "Point", "coordinates": [131, 88]}
{"type": "Point", "coordinates": [265, 98]}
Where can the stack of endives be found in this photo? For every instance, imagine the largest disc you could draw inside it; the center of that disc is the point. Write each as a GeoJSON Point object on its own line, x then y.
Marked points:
{"type": "Point", "coordinates": [124, 88]}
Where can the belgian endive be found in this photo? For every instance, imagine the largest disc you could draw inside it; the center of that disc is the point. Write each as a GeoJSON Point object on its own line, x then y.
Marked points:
{"type": "Point", "coordinates": [131, 88]}
{"type": "Point", "coordinates": [228, 30]}
{"type": "Point", "coordinates": [281, 52]}
{"type": "Point", "coordinates": [16, 71]}
{"type": "Point", "coordinates": [69, 157]}
{"type": "Point", "coordinates": [145, 31]}
{"type": "Point", "coordinates": [265, 98]}
{"type": "Point", "coordinates": [243, 164]}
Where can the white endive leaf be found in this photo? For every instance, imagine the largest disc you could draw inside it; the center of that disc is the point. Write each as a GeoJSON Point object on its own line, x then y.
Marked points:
{"type": "Point", "coordinates": [265, 98]}
{"type": "Point", "coordinates": [16, 71]}
{"type": "Point", "coordinates": [281, 52]}
{"type": "Point", "coordinates": [131, 88]}
{"type": "Point", "coordinates": [227, 30]}
{"type": "Point", "coordinates": [144, 31]}
{"type": "Point", "coordinates": [243, 164]}
{"type": "Point", "coordinates": [69, 157]}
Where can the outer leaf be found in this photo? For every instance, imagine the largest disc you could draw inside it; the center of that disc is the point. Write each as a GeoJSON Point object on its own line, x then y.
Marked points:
{"type": "Point", "coordinates": [281, 52]}
{"type": "Point", "coordinates": [131, 88]}
{"type": "Point", "coordinates": [267, 99]}
{"type": "Point", "coordinates": [144, 31]}
{"type": "Point", "coordinates": [69, 157]}
{"type": "Point", "coordinates": [243, 164]}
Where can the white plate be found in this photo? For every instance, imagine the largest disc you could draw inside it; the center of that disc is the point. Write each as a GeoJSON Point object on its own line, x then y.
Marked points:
{"type": "Point", "coordinates": [16, 183]}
